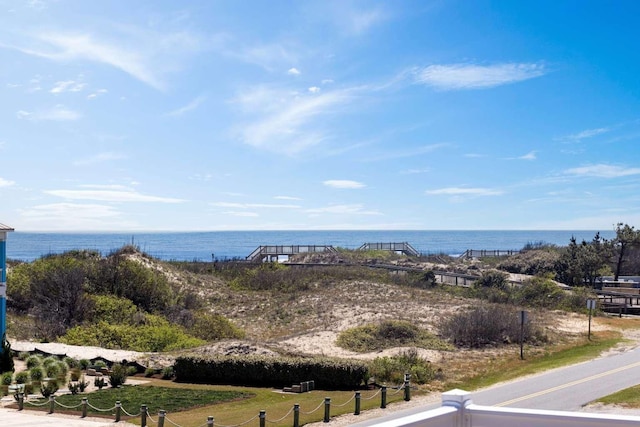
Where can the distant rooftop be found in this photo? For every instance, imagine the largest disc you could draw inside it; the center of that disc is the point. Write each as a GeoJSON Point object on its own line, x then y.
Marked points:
{"type": "Point", "coordinates": [5, 227]}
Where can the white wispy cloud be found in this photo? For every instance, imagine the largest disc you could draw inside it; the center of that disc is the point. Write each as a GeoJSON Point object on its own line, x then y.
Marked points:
{"type": "Point", "coordinates": [241, 214]}
{"type": "Point", "coordinates": [415, 171]}
{"type": "Point", "coordinates": [362, 21]}
{"type": "Point", "coordinates": [314, 89]}
{"type": "Point", "coordinates": [587, 133]}
{"type": "Point", "coordinates": [465, 191]}
{"type": "Point", "coordinates": [253, 205]}
{"type": "Point", "coordinates": [354, 209]}
{"type": "Point", "coordinates": [343, 184]}
{"type": "Point", "coordinates": [195, 103]}
{"type": "Point", "coordinates": [531, 155]}
{"type": "Point", "coordinates": [67, 86]}
{"type": "Point", "coordinates": [111, 195]}
{"type": "Point", "coordinates": [285, 121]}
{"type": "Point", "coordinates": [293, 71]}
{"type": "Point", "coordinates": [287, 198]}
{"type": "Point", "coordinates": [97, 93]}
{"type": "Point", "coordinates": [603, 171]}
{"type": "Point", "coordinates": [143, 54]}
{"type": "Point", "coordinates": [99, 158]}
{"type": "Point", "coordinates": [57, 113]}
{"type": "Point", "coordinates": [399, 154]}
{"type": "Point", "coordinates": [472, 76]}
{"type": "Point", "coordinates": [6, 182]}
{"type": "Point", "coordinates": [74, 216]}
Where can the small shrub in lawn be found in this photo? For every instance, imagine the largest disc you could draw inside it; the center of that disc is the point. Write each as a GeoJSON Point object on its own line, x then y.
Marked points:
{"type": "Point", "coordinates": [23, 355]}
{"type": "Point", "coordinates": [99, 382]}
{"type": "Point", "coordinates": [6, 378]}
{"type": "Point", "coordinates": [33, 361]}
{"type": "Point", "coordinates": [100, 364]}
{"type": "Point", "coordinates": [149, 372]}
{"type": "Point", "coordinates": [84, 364]}
{"type": "Point", "coordinates": [49, 388]}
{"type": "Point", "coordinates": [22, 377]}
{"type": "Point", "coordinates": [36, 373]}
{"type": "Point", "coordinates": [118, 375]}
{"type": "Point", "coordinates": [73, 387]}
{"type": "Point", "coordinates": [82, 385]}
{"type": "Point", "coordinates": [131, 370]}
{"type": "Point", "coordinates": [167, 373]}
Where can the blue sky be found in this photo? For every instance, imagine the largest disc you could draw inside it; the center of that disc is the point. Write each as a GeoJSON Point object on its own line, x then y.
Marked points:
{"type": "Point", "coordinates": [258, 115]}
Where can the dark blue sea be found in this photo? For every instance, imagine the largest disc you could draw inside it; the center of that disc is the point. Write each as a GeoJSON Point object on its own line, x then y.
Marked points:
{"type": "Point", "coordinates": [224, 245]}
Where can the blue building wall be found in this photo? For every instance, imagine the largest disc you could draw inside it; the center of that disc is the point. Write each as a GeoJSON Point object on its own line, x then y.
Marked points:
{"type": "Point", "coordinates": [3, 285]}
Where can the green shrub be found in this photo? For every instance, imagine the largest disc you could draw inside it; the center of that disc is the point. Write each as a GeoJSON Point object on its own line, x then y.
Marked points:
{"type": "Point", "coordinates": [36, 373]}
{"type": "Point", "coordinates": [33, 361]}
{"type": "Point", "coordinates": [149, 372]}
{"type": "Point", "coordinates": [392, 369]}
{"type": "Point", "coordinates": [52, 370]}
{"type": "Point", "coordinates": [159, 337]}
{"type": "Point", "coordinates": [387, 334]}
{"type": "Point", "coordinates": [22, 377]}
{"type": "Point", "coordinates": [23, 355]}
{"type": "Point", "coordinates": [74, 374]}
{"type": "Point", "coordinates": [167, 373]}
{"type": "Point", "coordinates": [488, 325]}
{"type": "Point", "coordinates": [84, 364]}
{"type": "Point", "coordinates": [50, 360]}
{"type": "Point", "coordinates": [118, 375]}
{"type": "Point", "coordinates": [328, 374]}
{"type": "Point", "coordinates": [71, 362]}
{"type": "Point", "coordinates": [6, 378]}
{"type": "Point", "coordinates": [131, 371]}
{"type": "Point", "coordinates": [99, 382]}
{"type": "Point", "coordinates": [212, 327]}
{"type": "Point", "coordinates": [49, 388]}
{"type": "Point", "coordinates": [112, 309]}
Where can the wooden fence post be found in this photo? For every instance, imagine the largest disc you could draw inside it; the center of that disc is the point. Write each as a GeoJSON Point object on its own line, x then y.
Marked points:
{"type": "Point", "coordinates": [357, 409]}
{"type": "Point", "coordinates": [263, 418]}
{"type": "Point", "coordinates": [296, 415]}
{"type": "Point", "coordinates": [84, 407]}
{"type": "Point", "coordinates": [118, 410]}
{"type": "Point", "coordinates": [52, 403]}
{"type": "Point", "coordinates": [383, 399]}
{"type": "Point", "coordinates": [327, 409]}
{"type": "Point", "coordinates": [143, 415]}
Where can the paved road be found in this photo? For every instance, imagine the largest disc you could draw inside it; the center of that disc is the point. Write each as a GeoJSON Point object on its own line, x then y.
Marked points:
{"type": "Point", "coordinates": [564, 389]}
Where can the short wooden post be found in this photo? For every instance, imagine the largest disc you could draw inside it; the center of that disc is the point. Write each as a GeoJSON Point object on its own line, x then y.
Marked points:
{"type": "Point", "coordinates": [296, 415]}
{"type": "Point", "coordinates": [20, 401]}
{"type": "Point", "coordinates": [383, 398]}
{"type": "Point", "coordinates": [263, 418]}
{"type": "Point", "coordinates": [407, 387]}
{"type": "Point", "coordinates": [357, 409]}
{"type": "Point", "coordinates": [118, 410]}
{"type": "Point", "coordinates": [209, 421]}
{"type": "Point", "coordinates": [327, 409]}
{"type": "Point", "coordinates": [143, 415]}
{"type": "Point", "coordinates": [161, 414]}
{"type": "Point", "coordinates": [52, 404]}
{"type": "Point", "coordinates": [84, 407]}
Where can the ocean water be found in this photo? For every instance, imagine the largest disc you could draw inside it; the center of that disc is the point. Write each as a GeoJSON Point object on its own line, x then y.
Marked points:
{"type": "Point", "coordinates": [204, 246]}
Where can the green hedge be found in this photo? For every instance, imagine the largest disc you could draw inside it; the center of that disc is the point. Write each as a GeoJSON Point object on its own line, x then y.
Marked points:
{"type": "Point", "coordinates": [259, 371]}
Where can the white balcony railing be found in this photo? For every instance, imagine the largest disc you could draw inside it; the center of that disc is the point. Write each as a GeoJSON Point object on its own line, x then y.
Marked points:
{"type": "Point", "coordinates": [458, 410]}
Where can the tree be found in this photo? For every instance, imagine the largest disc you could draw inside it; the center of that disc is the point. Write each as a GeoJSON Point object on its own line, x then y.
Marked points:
{"type": "Point", "coordinates": [6, 360]}
{"type": "Point", "coordinates": [626, 238]}
{"type": "Point", "coordinates": [583, 264]}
